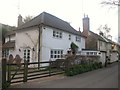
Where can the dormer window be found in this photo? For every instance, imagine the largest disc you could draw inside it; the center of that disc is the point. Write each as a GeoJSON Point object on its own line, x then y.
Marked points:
{"type": "Point", "coordinates": [57, 34]}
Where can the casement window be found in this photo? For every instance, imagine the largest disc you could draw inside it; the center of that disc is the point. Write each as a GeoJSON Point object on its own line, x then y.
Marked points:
{"type": "Point", "coordinates": [6, 53]}
{"type": "Point", "coordinates": [27, 54]}
{"type": "Point", "coordinates": [55, 54]}
{"type": "Point", "coordinates": [95, 53]}
{"type": "Point", "coordinates": [88, 53]}
{"type": "Point", "coordinates": [78, 39]}
{"type": "Point", "coordinates": [91, 53]}
{"type": "Point", "coordinates": [57, 34]}
{"type": "Point", "coordinates": [69, 37]}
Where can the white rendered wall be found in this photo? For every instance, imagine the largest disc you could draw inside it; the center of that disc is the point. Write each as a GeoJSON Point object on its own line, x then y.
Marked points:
{"type": "Point", "coordinates": [103, 46]}
{"type": "Point", "coordinates": [49, 42]}
{"type": "Point", "coordinates": [27, 39]}
{"type": "Point", "coordinates": [114, 57]}
{"type": "Point", "coordinates": [103, 57]}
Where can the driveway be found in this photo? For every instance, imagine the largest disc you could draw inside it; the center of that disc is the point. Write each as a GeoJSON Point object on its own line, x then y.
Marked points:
{"type": "Point", "coordinates": [101, 78]}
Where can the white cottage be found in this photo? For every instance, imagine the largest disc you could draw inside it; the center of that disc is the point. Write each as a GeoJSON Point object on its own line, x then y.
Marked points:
{"type": "Point", "coordinates": [43, 38]}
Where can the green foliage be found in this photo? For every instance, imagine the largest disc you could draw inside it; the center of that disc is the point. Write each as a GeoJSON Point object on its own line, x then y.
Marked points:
{"type": "Point", "coordinates": [5, 85]}
{"type": "Point", "coordinates": [74, 47]}
{"type": "Point", "coordinates": [78, 69]}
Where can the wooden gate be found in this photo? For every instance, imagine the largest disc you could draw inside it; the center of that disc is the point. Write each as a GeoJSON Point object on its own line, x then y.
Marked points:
{"type": "Point", "coordinates": [22, 72]}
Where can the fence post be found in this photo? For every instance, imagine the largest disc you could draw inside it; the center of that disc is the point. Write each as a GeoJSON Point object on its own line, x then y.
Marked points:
{"type": "Point", "coordinates": [25, 71]}
{"type": "Point", "coordinates": [9, 73]}
{"type": "Point", "coordinates": [4, 82]}
{"type": "Point", "coordinates": [49, 67]}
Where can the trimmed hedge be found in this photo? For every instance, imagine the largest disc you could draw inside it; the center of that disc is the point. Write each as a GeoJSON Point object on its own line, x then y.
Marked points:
{"type": "Point", "coordinates": [78, 69]}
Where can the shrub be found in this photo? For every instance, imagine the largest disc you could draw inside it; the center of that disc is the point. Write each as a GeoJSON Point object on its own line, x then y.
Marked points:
{"type": "Point", "coordinates": [78, 69]}
{"type": "Point", "coordinates": [100, 65]}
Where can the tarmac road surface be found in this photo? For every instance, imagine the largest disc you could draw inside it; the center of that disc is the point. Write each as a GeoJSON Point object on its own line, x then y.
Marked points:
{"type": "Point", "coordinates": [101, 78]}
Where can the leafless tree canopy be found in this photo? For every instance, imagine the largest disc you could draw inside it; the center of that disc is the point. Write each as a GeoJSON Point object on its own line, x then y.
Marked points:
{"type": "Point", "coordinates": [28, 18]}
{"type": "Point", "coordinates": [111, 2]}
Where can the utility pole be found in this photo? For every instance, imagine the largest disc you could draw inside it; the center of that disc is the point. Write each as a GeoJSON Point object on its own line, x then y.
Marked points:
{"type": "Point", "coordinates": [39, 46]}
{"type": "Point", "coordinates": [119, 22]}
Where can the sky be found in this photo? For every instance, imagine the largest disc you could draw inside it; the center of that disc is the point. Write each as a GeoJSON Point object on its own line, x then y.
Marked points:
{"type": "Point", "coordinates": [71, 11]}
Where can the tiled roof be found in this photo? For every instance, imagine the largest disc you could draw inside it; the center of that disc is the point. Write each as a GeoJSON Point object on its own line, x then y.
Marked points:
{"type": "Point", "coordinates": [102, 38]}
{"type": "Point", "coordinates": [98, 36]}
{"type": "Point", "coordinates": [10, 33]}
{"type": "Point", "coordinates": [52, 21]}
{"type": "Point", "coordinates": [10, 44]}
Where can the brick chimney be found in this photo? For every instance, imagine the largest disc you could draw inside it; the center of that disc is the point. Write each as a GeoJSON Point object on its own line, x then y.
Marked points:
{"type": "Point", "coordinates": [20, 22]}
{"type": "Point", "coordinates": [86, 26]}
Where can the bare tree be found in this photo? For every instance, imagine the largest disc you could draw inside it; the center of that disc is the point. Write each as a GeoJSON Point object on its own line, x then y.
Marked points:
{"type": "Point", "coordinates": [28, 18]}
{"type": "Point", "coordinates": [111, 2]}
{"type": "Point", "coordinates": [105, 30]}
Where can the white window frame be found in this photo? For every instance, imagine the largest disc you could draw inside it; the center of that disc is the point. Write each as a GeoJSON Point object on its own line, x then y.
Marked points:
{"type": "Point", "coordinates": [95, 53]}
{"type": "Point", "coordinates": [78, 38]}
{"type": "Point", "coordinates": [69, 37]}
{"type": "Point", "coordinates": [56, 54]}
{"type": "Point", "coordinates": [57, 34]}
{"type": "Point", "coordinates": [27, 54]}
{"type": "Point", "coordinates": [6, 53]}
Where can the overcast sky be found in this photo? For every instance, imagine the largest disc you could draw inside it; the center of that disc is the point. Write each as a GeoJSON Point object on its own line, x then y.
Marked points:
{"type": "Point", "coordinates": [71, 11]}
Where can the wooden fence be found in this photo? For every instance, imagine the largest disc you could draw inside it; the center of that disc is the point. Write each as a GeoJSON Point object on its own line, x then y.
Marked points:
{"type": "Point", "coordinates": [22, 72]}
{"type": "Point", "coordinates": [14, 73]}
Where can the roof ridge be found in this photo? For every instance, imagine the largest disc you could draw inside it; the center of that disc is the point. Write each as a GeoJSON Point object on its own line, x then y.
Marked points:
{"type": "Point", "coordinates": [42, 17]}
{"type": "Point", "coordinates": [56, 17]}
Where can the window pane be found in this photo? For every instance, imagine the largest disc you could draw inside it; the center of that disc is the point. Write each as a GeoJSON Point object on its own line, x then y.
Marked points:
{"type": "Point", "coordinates": [58, 56]}
{"type": "Point", "coordinates": [54, 33]}
{"type": "Point", "coordinates": [28, 54]}
{"type": "Point", "coordinates": [54, 56]}
{"type": "Point", "coordinates": [91, 52]}
{"type": "Point", "coordinates": [57, 35]}
{"type": "Point", "coordinates": [61, 52]}
{"type": "Point", "coordinates": [51, 56]}
{"type": "Point", "coordinates": [51, 52]}
{"type": "Point", "coordinates": [55, 52]}
{"type": "Point", "coordinates": [58, 52]}
{"type": "Point", "coordinates": [69, 37]}
{"type": "Point", "coordinates": [61, 56]}
{"type": "Point", "coordinates": [60, 36]}
{"type": "Point", "coordinates": [87, 53]}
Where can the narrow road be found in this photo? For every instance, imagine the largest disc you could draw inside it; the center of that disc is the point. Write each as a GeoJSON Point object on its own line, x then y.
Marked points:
{"type": "Point", "coordinates": [101, 78]}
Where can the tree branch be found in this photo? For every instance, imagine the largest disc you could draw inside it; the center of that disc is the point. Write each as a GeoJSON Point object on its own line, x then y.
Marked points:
{"type": "Point", "coordinates": [116, 3]}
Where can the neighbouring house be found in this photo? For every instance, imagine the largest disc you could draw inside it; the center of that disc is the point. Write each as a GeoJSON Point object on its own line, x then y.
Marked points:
{"type": "Point", "coordinates": [98, 43]}
{"type": "Point", "coordinates": [9, 46]}
{"type": "Point", "coordinates": [115, 51]}
{"type": "Point", "coordinates": [3, 30]}
{"type": "Point", "coordinates": [45, 37]}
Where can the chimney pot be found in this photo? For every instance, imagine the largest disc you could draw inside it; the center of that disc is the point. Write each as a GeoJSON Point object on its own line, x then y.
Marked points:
{"type": "Point", "coordinates": [86, 27]}
{"type": "Point", "coordinates": [20, 22]}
